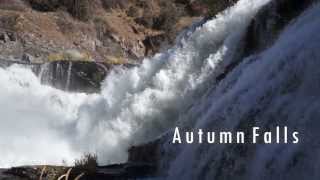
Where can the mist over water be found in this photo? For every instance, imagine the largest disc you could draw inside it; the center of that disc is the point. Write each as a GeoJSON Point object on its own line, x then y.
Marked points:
{"type": "Point", "coordinates": [35, 119]}
{"type": "Point", "coordinates": [43, 125]}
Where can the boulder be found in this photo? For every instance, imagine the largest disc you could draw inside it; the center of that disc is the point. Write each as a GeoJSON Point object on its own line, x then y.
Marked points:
{"type": "Point", "coordinates": [74, 76]}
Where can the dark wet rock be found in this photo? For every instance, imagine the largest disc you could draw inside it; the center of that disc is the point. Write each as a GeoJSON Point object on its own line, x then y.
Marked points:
{"type": "Point", "coordinates": [267, 25]}
{"type": "Point", "coordinates": [23, 173]}
{"type": "Point", "coordinates": [153, 43]}
{"type": "Point", "coordinates": [270, 22]}
{"type": "Point", "coordinates": [112, 172]}
{"type": "Point", "coordinates": [146, 153]}
{"type": "Point", "coordinates": [213, 6]}
{"type": "Point", "coordinates": [73, 76]}
{"type": "Point", "coordinates": [68, 75]}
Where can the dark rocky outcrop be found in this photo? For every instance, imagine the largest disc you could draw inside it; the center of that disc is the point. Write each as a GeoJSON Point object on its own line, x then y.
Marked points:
{"type": "Point", "coordinates": [270, 21]}
{"type": "Point", "coordinates": [267, 25]}
{"type": "Point", "coordinates": [147, 153]}
{"type": "Point", "coordinates": [214, 6]}
{"type": "Point", "coordinates": [73, 76]}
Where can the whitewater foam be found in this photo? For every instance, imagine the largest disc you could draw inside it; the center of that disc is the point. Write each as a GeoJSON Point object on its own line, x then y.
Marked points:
{"type": "Point", "coordinates": [280, 86]}
{"type": "Point", "coordinates": [42, 125]}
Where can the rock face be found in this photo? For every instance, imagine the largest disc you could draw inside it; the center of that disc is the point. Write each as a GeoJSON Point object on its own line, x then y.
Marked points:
{"type": "Point", "coordinates": [98, 33]}
{"type": "Point", "coordinates": [267, 25]}
{"type": "Point", "coordinates": [73, 76]}
{"type": "Point", "coordinates": [147, 153]}
{"type": "Point", "coordinates": [271, 20]}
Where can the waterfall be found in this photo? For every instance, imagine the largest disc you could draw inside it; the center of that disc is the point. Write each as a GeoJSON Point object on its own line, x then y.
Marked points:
{"type": "Point", "coordinates": [68, 76]}
{"type": "Point", "coordinates": [43, 125]}
{"type": "Point", "coordinates": [279, 86]}
{"type": "Point", "coordinates": [44, 74]}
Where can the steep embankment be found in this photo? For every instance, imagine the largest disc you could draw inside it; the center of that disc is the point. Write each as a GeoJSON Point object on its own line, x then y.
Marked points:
{"type": "Point", "coordinates": [106, 30]}
{"type": "Point", "coordinates": [85, 32]}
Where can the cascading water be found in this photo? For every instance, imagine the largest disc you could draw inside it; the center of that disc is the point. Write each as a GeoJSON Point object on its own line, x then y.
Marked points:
{"type": "Point", "coordinates": [42, 125]}
{"type": "Point", "coordinates": [280, 86]}
{"type": "Point", "coordinates": [68, 76]}
{"type": "Point", "coordinates": [44, 74]}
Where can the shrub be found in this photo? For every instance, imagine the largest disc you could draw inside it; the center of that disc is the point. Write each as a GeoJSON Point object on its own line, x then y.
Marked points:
{"type": "Point", "coordinates": [88, 163]}
{"type": "Point", "coordinates": [80, 9]}
{"type": "Point", "coordinates": [168, 16]}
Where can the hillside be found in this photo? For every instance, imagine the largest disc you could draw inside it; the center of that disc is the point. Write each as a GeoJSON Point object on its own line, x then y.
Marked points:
{"type": "Point", "coordinates": [104, 30]}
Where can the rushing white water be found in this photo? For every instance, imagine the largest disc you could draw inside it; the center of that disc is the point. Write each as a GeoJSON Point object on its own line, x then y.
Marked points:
{"type": "Point", "coordinates": [34, 120]}
{"type": "Point", "coordinates": [277, 87]}
{"type": "Point", "coordinates": [68, 76]}
{"type": "Point", "coordinates": [42, 125]}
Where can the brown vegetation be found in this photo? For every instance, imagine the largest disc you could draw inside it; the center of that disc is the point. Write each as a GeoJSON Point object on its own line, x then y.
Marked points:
{"type": "Point", "coordinates": [124, 29]}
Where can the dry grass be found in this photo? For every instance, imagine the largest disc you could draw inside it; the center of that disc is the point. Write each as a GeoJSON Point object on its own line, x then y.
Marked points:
{"type": "Point", "coordinates": [86, 165]}
{"type": "Point", "coordinates": [70, 55]}
{"type": "Point", "coordinates": [115, 60]}
{"type": "Point", "coordinates": [67, 175]}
